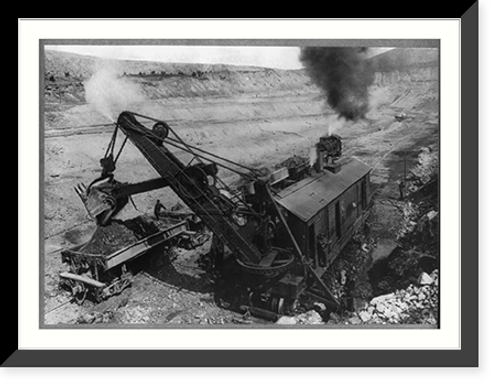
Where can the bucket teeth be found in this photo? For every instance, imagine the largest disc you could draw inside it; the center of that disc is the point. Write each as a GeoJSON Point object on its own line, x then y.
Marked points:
{"type": "Point", "coordinates": [80, 189]}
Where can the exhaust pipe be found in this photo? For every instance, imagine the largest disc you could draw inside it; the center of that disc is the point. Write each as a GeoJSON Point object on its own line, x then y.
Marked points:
{"type": "Point", "coordinates": [320, 161]}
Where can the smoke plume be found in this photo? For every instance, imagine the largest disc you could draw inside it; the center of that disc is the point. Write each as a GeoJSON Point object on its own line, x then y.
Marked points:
{"type": "Point", "coordinates": [344, 76]}
{"type": "Point", "coordinates": [108, 93]}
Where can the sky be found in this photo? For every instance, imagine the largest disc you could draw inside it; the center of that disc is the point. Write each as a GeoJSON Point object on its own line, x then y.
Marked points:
{"type": "Point", "coordinates": [265, 56]}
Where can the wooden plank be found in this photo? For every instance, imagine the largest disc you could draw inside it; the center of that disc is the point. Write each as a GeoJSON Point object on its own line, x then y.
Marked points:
{"type": "Point", "coordinates": [325, 288]}
{"type": "Point", "coordinates": [83, 279]}
{"type": "Point", "coordinates": [279, 175]}
{"type": "Point", "coordinates": [285, 224]}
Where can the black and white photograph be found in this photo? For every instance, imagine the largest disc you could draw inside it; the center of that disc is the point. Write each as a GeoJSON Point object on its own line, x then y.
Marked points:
{"type": "Point", "coordinates": [240, 184]}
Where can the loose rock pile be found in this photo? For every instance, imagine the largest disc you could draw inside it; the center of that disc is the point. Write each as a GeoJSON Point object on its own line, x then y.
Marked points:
{"type": "Point", "coordinates": [425, 170]}
{"type": "Point", "coordinates": [310, 317]}
{"type": "Point", "coordinates": [95, 317]}
{"type": "Point", "coordinates": [413, 305]}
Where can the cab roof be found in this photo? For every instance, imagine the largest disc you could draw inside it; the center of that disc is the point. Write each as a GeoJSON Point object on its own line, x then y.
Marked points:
{"type": "Point", "coordinates": [308, 196]}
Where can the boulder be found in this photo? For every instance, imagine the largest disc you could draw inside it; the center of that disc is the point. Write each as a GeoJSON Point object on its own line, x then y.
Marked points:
{"type": "Point", "coordinates": [427, 221]}
{"type": "Point", "coordinates": [286, 320]}
{"type": "Point", "coordinates": [319, 307]}
{"type": "Point", "coordinates": [431, 215]}
{"type": "Point", "coordinates": [310, 317]}
{"type": "Point", "coordinates": [382, 298]}
{"type": "Point", "coordinates": [359, 304]}
{"type": "Point", "coordinates": [384, 248]}
{"type": "Point", "coordinates": [364, 316]}
{"type": "Point", "coordinates": [380, 306]}
{"type": "Point", "coordinates": [425, 279]}
{"type": "Point", "coordinates": [403, 306]}
{"type": "Point", "coordinates": [87, 318]}
{"type": "Point", "coordinates": [391, 312]}
{"type": "Point", "coordinates": [335, 318]}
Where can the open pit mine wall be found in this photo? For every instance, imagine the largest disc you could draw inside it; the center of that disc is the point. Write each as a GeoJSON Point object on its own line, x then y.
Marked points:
{"type": "Point", "coordinates": [257, 83]}
{"type": "Point", "coordinates": [429, 73]}
{"type": "Point", "coordinates": [224, 83]}
{"type": "Point", "coordinates": [254, 83]}
{"type": "Point", "coordinates": [265, 82]}
{"type": "Point", "coordinates": [183, 93]}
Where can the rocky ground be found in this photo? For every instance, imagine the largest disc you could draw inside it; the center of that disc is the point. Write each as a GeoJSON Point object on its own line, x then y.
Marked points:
{"type": "Point", "coordinates": [417, 304]}
{"type": "Point", "coordinates": [259, 119]}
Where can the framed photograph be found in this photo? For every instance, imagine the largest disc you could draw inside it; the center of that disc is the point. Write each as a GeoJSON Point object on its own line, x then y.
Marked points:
{"type": "Point", "coordinates": [219, 193]}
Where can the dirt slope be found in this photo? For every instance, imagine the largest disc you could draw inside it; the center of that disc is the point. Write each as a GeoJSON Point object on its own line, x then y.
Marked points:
{"type": "Point", "coordinates": [405, 59]}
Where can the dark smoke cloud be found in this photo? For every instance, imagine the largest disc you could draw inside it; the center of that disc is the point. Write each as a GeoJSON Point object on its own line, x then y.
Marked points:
{"type": "Point", "coordinates": [344, 76]}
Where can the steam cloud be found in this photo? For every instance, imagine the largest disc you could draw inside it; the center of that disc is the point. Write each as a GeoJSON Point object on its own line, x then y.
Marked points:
{"type": "Point", "coordinates": [336, 125]}
{"type": "Point", "coordinates": [108, 93]}
{"type": "Point", "coordinates": [313, 156]}
{"type": "Point", "coordinates": [344, 76]}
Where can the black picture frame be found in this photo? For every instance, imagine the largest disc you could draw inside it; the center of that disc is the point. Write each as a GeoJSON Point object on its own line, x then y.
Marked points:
{"type": "Point", "coordinates": [466, 356]}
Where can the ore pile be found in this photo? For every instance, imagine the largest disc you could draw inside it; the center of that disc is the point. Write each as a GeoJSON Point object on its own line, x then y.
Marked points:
{"type": "Point", "coordinates": [117, 235]}
{"type": "Point", "coordinates": [413, 305]}
{"type": "Point", "coordinates": [141, 226]}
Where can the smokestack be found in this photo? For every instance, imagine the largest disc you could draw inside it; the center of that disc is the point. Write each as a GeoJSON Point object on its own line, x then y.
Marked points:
{"type": "Point", "coordinates": [320, 161]}
{"type": "Point", "coordinates": [344, 75]}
